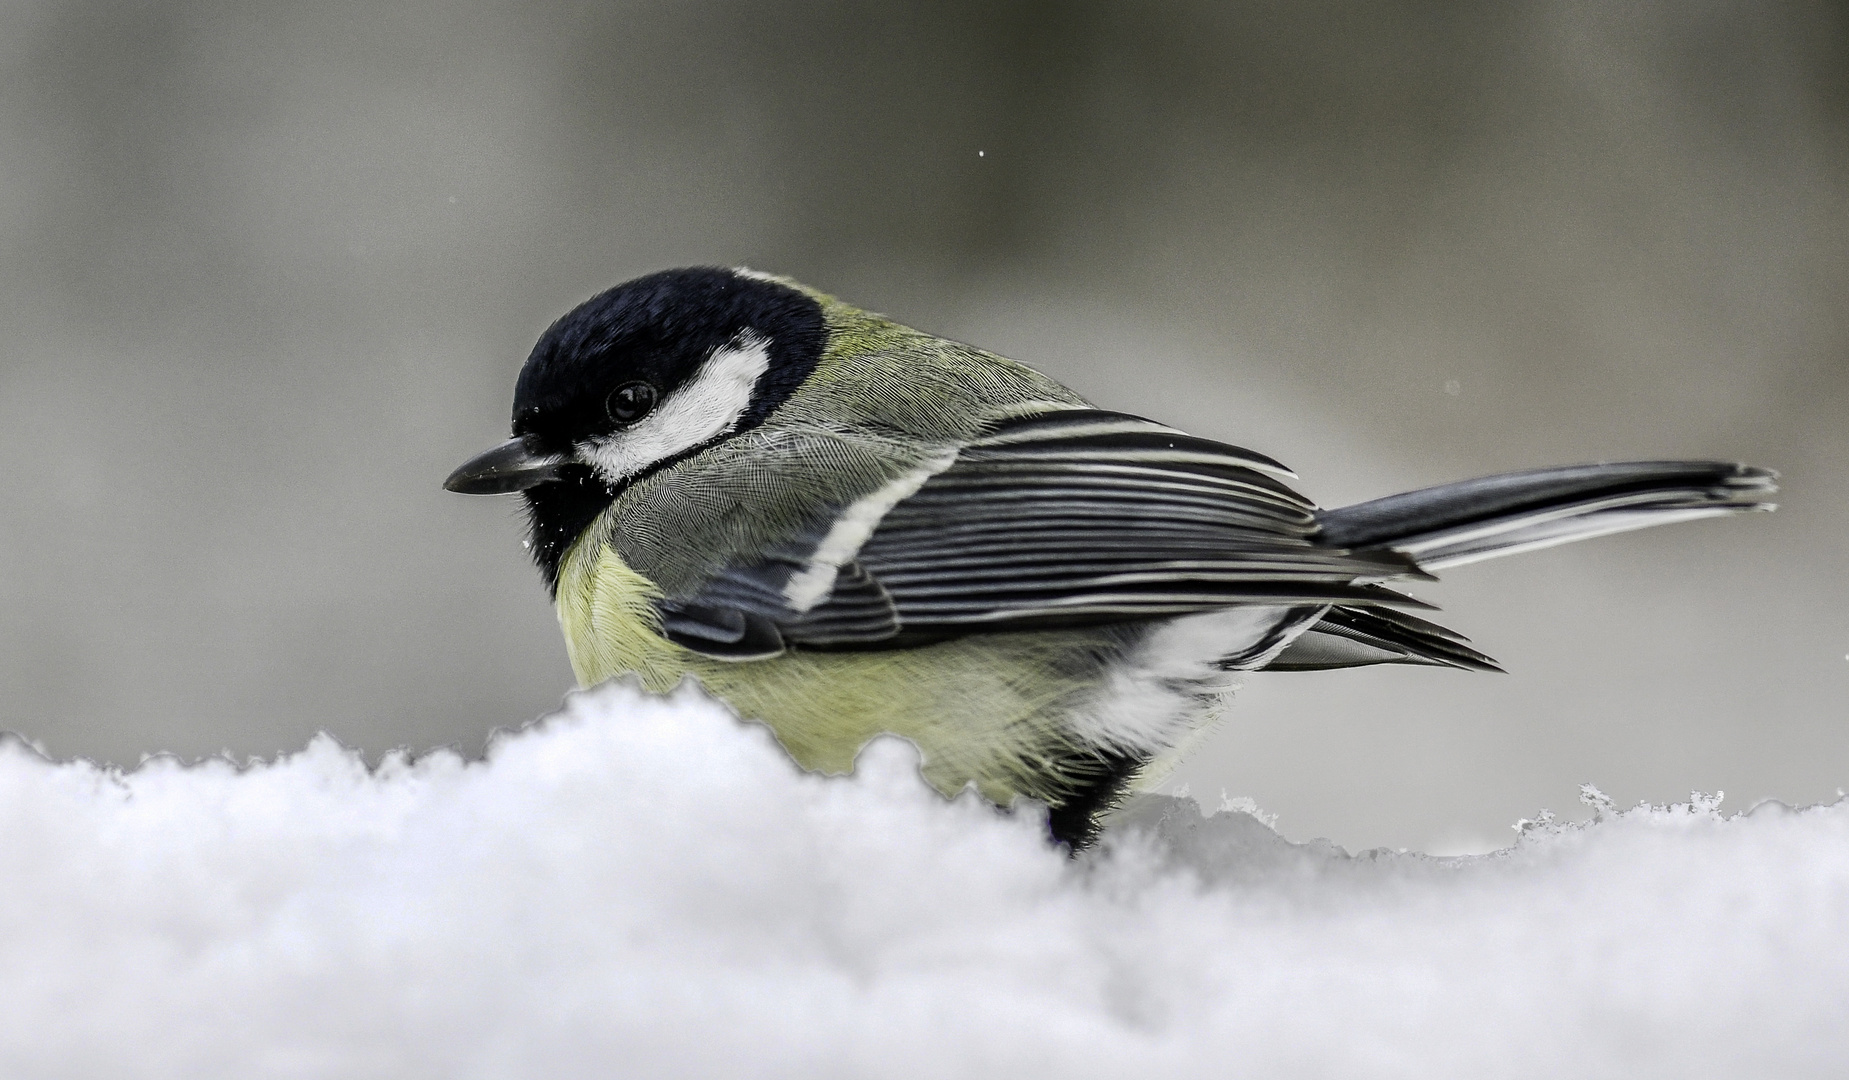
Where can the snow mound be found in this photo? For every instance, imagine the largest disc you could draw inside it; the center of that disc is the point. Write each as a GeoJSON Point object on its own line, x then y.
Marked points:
{"type": "Point", "coordinates": [646, 887]}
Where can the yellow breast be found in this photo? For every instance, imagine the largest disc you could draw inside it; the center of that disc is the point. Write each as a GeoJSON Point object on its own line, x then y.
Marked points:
{"type": "Point", "coordinates": [988, 710]}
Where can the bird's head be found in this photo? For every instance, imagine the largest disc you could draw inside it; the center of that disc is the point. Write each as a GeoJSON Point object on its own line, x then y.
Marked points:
{"type": "Point", "coordinates": [638, 377]}
{"type": "Point", "coordinates": [648, 372]}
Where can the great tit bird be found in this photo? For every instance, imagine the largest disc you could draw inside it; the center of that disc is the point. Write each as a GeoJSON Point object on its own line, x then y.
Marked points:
{"type": "Point", "coordinates": [844, 527]}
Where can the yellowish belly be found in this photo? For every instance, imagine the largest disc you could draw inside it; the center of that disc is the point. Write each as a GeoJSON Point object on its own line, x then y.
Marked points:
{"type": "Point", "coordinates": [985, 710]}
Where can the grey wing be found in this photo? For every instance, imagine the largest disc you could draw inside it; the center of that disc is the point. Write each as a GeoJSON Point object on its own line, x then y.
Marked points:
{"type": "Point", "coordinates": [1061, 519]}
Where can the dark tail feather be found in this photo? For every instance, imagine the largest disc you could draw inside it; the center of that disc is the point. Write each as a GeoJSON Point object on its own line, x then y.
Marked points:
{"type": "Point", "coordinates": [1359, 637]}
{"type": "Point", "coordinates": [1453, 524]}
{"type": "Point", "coordinates": [1500, 515]}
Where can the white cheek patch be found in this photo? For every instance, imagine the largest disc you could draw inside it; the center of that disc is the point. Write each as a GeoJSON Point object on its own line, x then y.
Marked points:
{"type": "Point", "coordinates": [704, 407]}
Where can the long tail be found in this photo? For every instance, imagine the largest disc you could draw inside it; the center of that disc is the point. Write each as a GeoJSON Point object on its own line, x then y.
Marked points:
{"type": "Point", "coordinates": [1459, 523]}
{"type": "Point", "coordinates": [1491, 516]}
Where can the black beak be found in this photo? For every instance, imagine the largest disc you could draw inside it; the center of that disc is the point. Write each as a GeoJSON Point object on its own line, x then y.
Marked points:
{"type": "Point", "coordinates": [512, 466]}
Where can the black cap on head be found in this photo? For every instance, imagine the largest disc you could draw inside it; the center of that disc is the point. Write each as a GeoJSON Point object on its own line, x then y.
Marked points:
{"type": "Point", "coordinates": [658, 330]}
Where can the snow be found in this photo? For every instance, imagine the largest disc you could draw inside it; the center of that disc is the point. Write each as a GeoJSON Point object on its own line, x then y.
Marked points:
{"type": "Point", "coordinates": [645, 887]}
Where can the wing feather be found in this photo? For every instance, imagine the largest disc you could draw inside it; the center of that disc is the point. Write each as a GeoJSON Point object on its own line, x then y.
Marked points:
{"type": "Point", "coordinates": [1060, 519]}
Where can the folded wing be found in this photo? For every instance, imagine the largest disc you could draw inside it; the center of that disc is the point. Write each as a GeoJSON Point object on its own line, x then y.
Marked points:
{"type": "Point", "coordinates": [1062, 519]}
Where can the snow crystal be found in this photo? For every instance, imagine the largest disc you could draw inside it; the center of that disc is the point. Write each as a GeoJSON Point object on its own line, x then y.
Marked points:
{"type": "Point", "coordinates": [647, 887]}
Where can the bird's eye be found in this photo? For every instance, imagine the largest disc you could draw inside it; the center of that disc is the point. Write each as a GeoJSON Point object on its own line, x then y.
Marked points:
{"type": "Point", "coordinates": [630, 402]}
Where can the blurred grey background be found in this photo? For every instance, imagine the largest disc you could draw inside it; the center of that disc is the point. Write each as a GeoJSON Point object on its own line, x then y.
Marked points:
{"type": "Point", "coordinates": [270, 268]}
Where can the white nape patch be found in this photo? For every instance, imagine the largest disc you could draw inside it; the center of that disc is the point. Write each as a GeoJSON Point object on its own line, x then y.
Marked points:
{"type": "Point", "coordinates": [704, 407]}
{"type": "Point", "coordinates": [808, 586]}
{"type": "Point", "coordinates": [756, 275]}
{"type": "Point", "coordinates": [1172, 683]}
